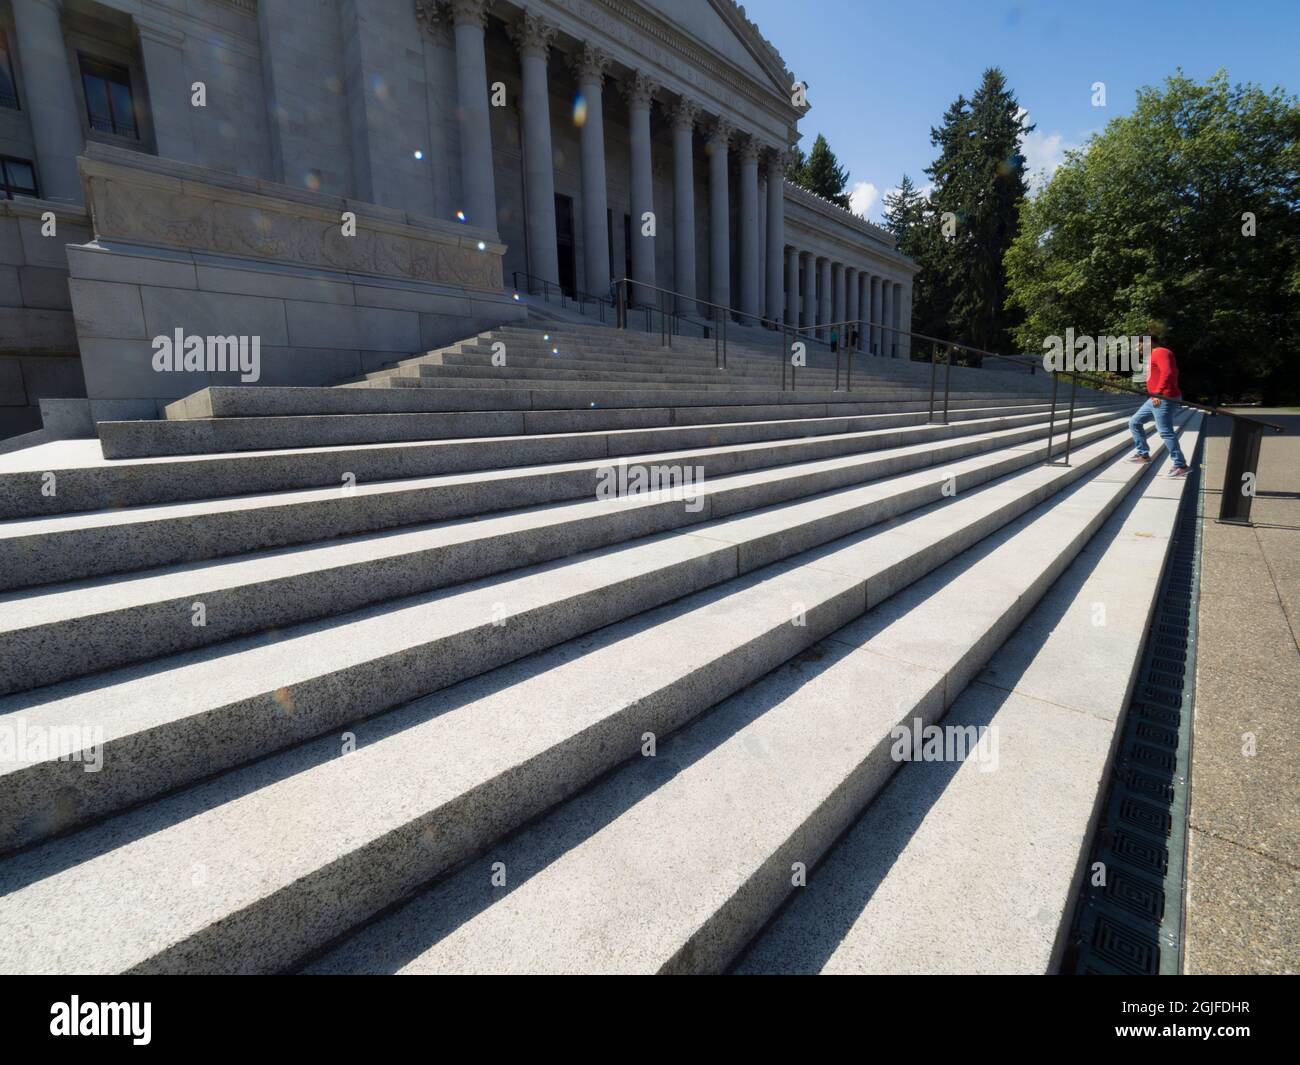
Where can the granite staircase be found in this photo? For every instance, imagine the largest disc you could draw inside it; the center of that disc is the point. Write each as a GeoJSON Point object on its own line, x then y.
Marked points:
{"type": "Point", "coordinates": [561, 664]}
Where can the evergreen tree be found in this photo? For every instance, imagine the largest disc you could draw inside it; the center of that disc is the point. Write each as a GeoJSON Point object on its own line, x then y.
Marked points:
{"type": "Point", "coordinates": [820, 172]}
{"type": "Point", "coordinates": [979, 181]}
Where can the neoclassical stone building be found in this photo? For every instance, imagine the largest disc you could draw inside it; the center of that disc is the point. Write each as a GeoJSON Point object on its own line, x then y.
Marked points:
{"type": "Point", "coordinates": [200, 159]}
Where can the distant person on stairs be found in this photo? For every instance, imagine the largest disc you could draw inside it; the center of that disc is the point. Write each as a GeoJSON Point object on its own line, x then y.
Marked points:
{"type": "Point", "coordinates": [1163, 405]}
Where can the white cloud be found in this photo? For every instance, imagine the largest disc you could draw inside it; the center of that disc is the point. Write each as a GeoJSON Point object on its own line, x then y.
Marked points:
{"type": "Point", "coordinates": [861, 198]}
{"type": "Point", "coordinates": [1043, 152]}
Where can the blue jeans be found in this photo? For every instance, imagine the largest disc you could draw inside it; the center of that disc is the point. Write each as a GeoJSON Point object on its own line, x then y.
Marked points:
{"type": "Point", "coordinates": [1164, 416]}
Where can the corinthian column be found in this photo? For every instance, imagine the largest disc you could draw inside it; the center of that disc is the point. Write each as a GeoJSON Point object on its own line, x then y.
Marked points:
{"type": "Point", "coordinates": [684, 114]}
{"type": "Point", "coordinates": [469, 17]}
{"type": "Point", "coordinates": [639, 91]}
{"type": "Point", "coordinates": [590, 65]}
{"type": "Point", "coordinates": [719, 215]}
{"type": "Point", "coordinates": [532, 37]}
{"type": "Point", "coordinates": [776, 306]}
{"type": "Point", "coordinates": [749, 290]}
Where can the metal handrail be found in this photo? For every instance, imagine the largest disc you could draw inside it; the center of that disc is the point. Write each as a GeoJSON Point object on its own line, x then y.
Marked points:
{"type": "Point", "coordinates": [1243, 449]}
{"type": "Point", "coordinates": [579, 297]}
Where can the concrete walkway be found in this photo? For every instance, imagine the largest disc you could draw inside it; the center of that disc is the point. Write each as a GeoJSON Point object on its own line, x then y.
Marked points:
{"type": "Point", "coordinates": [1243, 890]}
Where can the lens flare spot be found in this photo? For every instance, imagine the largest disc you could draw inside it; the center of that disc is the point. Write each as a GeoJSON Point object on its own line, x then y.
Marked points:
{"type": "Point", "coordinates": [580, 110]}
{"type": "Point", "coordinates": [284, 700]}
{"type": "Point", "coordinates": [418, 153]}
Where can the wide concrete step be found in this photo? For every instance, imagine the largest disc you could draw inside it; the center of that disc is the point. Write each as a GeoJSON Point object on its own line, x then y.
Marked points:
{"type": "Point", "coordinates": [85, 480]}
{"type": "Point", "coordinates": [976, 867]}
{"type": "Point", "coordinates": [675, 861]}
{"type": "Point", "coordinates": [253, 401]}
{"type": "Point", "coordinates": [739, 346]}
{"type": "Point", "coordinates": [66, 631]}
{"type": "Point", "coordinates": [264, 865]}
{"type": "Point", "coordinates": [73, 546]}
{"type": "Point", "coordinates": [153, 438]}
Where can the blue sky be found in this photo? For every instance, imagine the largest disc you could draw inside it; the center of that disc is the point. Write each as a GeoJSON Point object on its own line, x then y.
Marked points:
{"type": "Point", "coordinates": [880, 74]}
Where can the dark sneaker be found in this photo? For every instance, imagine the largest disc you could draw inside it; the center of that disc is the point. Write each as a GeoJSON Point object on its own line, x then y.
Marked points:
{"type": "Point", "coordinates": [1140, 458]}
{"type": "Point", "coordinates": [1180, 471]}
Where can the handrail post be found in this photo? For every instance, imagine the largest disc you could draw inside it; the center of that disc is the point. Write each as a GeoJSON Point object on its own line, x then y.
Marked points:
{"type": "Point", "coordinates": [947, 376]}
{"type": "Point", "coordinates": [1069, 425]}
{"type": "Point", "coordinates": [1051, 421]}
{"type": "Point", "coordinates": [785, 346]}
{"type": "Point", "coordinates": [725, 323]}
{"type": "Point", "coordinates": [622, 305]}
{"type": "Point", "coordinates": [934, 357]}
{"type": "Point", "coordinates": [851, 352]}
{"type": "Point", "coordinates": [1243, 460]}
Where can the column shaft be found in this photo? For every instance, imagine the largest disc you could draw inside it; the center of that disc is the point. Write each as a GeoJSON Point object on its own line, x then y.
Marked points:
{"type": "Point", "coordinates": [684, 115]}
{"type": "Point", "coordinates": [776, 304]}
{"type": "Point", "coordinates": [824, 285]}
{"type": "Point", "coordinates": [809, 289]}
{"type": "Point", "coordinates": [475, 130]}
{"type": "Point", "coordinates": [791, 286]}
{"type": "Point", "coordinates": [533, 38]}
{"type": "Point", "coordinates": [749, 269]}
{"type": "Point", "coordinates": [640, 91]}
{"type": "Point", "coordinates": [719, 217]}
{"type": "Point", "coordinates": [877, 348]}
{"type": "Point", "coordinates": [49, 99]}
{"type": "Point", "coordinates": [887, 317]}
{"type": "Point", "coordinates": [595, 222]}
{"type": "Point", "coordinates": [850, 306]}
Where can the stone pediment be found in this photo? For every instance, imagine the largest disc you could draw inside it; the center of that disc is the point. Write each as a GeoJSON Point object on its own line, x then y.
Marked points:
{"type": "Point", "coordinates": [721, 26]}
{"type": "Point", "coordinates": [704, 49]}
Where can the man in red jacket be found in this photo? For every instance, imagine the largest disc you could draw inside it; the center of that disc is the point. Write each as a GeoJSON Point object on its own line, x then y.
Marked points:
{"type": "Point", "coordinates": [1162, 387]}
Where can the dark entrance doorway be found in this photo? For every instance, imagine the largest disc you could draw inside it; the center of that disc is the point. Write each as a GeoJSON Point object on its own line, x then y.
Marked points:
{"type": "Point", "coordinates": [564, 245]}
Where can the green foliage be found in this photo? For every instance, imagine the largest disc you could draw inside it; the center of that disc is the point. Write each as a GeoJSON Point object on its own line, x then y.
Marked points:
{"type": "Point", "coordinates": [1142, 231]}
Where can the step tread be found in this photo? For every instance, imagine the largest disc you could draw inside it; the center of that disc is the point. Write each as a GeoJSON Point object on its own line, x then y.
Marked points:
{"type": "Point", "coordinates": [985, 881]}
{"type": "Point", "coordinates": [671, 863]}
{"type": "Point", "coordinates": [138, 865]}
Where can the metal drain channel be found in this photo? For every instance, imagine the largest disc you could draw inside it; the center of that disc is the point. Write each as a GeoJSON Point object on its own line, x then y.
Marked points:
{"type": "Point", "coordinates": [1133, 924]}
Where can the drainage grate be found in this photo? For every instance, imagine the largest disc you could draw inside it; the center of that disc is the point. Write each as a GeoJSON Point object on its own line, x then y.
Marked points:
{"type": "Point", "coordinates": [1133, 924]}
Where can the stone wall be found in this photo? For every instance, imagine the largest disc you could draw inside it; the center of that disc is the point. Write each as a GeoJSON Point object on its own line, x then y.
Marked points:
{"type": "Point", "coordinates": [180, 247]}
{"type": "Point", "coordinates": [38, 343]}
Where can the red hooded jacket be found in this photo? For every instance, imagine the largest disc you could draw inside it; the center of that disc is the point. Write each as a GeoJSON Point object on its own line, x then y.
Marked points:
{"type": "Point", "coordinates": [1162, 375]}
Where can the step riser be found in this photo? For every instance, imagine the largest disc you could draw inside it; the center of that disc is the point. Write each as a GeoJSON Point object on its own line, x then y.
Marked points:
{"type": "Point", "coordinates": [251, 401]}
{"type": "Point", "coordinates": [152, 439]}
{"type": "Point", "coordinates": [116, 486]}
{"type": "Point", "coordinates": [148, 764]}
{"type": "Point", "coordinates": [49, 653]}
{"type": "Point", "coordinates": [51, 556]}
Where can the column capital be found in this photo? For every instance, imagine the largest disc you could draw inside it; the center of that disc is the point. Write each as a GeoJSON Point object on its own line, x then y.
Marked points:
{"type": "Point", "coordinates": [775, 160]}
{"type": "Point", "coordinates": [590, 64]}
{"type": "Point", "coordinates": [720, 133]}
{"type": "Point", "coordinates": [532, 34]}
{"type": "Point", "coordinates": [468, 12]}
{"type": "Point", "coordinates": [433, 19]}
{"type": "Point", "coordinates": [639, 90]}
{"type": "Point", "coordinates": [750, 148]}
{"type": "Point", "coordinates": [684, 113]}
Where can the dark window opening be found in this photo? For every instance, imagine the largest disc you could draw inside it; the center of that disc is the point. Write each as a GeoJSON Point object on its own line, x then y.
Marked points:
{"type": "Point", "coordinates": [109, 106]}
{"type": "Point", "coordinates": [8, 83]}
{"type": "Point", "coordinates": [17, 178]}
{"type": "Point", "coordinates": [566, 245]}
{"type": "Point", "coordinates": [627, 245]}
